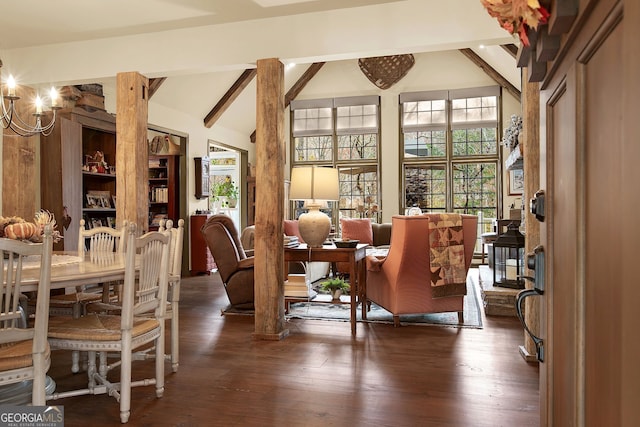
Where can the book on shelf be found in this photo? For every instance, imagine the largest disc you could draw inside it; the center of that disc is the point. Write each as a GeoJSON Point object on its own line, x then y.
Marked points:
{"type": "Point", "coordinates": [159, 195]}
{"type": "Point", "coordinates": [155, 221]}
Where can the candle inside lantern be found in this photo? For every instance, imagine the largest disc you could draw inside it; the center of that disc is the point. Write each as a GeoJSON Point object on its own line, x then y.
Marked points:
{"type": "Point", "coordinates": [511, 266]}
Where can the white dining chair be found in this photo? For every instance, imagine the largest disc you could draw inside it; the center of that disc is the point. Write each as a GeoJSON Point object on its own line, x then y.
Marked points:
{"type": "Point", "coordinates": [141, 322]}
{"type": "Point", "coordinates": [175, 273]}
{"type": "Point", "coordinates": [173, 295]}
{"type": "Point", "coordinates": [24, 350]}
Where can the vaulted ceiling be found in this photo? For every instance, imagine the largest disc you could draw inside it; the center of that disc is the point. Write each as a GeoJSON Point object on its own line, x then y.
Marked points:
{"type": "Point", "coordinates": [203, 51]}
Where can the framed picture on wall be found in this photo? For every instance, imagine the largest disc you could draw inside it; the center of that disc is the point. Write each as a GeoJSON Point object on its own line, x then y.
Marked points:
{"type": "Point", "coordinates": [516, 182]}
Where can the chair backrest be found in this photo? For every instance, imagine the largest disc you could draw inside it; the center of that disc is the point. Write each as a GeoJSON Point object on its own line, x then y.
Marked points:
{"type": "Point", "coordinates": [223, 247]}
{"type": "Point", "coordinates": [175, 247]}
{"type": "Point", "coordinates": [145, 284]}
{"type": "Point", "coordinates": [410, 241]}
{"type": "Point", "coordinates": [13, 253]}
{"type": "Point", "coordinates": [101, 239]}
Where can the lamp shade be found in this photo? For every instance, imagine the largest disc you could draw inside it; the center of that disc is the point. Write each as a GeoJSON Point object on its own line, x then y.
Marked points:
{"type": "Point", "coordinates": [314, 183]}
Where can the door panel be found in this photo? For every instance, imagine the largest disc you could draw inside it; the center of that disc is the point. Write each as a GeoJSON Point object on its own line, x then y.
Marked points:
{"type": "Point", "coordinates": [583, 121]}
{"type": "Point", "coordinates": [561, 292]}
{"type": "Point", "coordinates": [603, 93]}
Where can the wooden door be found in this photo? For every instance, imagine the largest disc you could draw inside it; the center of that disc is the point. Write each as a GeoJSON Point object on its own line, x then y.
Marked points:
{"type": "Point", "coordinates": [587, 374]}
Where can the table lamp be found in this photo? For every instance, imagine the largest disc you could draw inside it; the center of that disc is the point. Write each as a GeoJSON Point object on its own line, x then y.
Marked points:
{"type": "Point", "coordinates": [314, 185]}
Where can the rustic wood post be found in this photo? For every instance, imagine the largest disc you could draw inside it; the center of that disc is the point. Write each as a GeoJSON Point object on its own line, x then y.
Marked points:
{"type": "Point", "coordinates": [531, 160]}
{"type": "Point", "coordinates": [132, 151]}
{"type": "Point", "coordinates": [20, 173]}
{"type": "Point", "coordinates": [270, 160]}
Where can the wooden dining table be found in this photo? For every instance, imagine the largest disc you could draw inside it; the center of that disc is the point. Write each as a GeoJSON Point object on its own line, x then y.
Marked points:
{"type": "Point", "coordinates": [69, 270]}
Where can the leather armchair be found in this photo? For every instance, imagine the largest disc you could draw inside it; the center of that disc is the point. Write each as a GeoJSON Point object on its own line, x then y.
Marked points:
{"type": "Point", "coordinates": [234, 267]}
{"type": "Point", "coordinates": [400, 282]}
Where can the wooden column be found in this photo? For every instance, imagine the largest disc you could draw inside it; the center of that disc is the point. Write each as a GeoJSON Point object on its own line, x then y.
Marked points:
{"type": "Point", "coordinates": [270, 160]}
{"type": "Point", "coordinates": [531, 160]}
{"type": "Point", "coordinates": [20, 176]}
{"type": "Point", "coordinates": [132, 151]}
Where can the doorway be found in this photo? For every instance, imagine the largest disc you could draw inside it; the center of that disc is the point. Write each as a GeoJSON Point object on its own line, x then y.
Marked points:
{"type": "Point", "coordinates": [228, 164]}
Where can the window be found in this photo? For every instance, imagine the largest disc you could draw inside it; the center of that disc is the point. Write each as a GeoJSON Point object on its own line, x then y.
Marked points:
{"type": "Point", "coordinates": [341, 133]}
{"type": "Point", "coordinates": [450, 155]}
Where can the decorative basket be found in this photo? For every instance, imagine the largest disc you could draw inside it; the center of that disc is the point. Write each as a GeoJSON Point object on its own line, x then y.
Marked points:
{"type": "Point", "coordinates": [385, 71]}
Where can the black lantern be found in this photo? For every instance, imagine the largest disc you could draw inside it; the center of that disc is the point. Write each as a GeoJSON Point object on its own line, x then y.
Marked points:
{"type": "Point", "coordinates": [508, 259]}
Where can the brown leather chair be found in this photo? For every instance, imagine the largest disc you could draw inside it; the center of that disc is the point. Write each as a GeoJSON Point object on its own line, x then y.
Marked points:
{"type": "Point", "coordinates": [400, 283]}
{"type": "Point", "coordinates": [234, 267]}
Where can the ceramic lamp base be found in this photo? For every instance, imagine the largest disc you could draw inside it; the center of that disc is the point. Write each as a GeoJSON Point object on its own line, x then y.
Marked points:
{"type": "Point", "coordinates": [314, 227]}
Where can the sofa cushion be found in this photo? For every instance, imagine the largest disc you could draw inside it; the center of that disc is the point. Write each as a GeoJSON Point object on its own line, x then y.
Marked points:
{"type": "Point", "coordinates": [357, 229]}
{"type": "Point", "coordinates": [291, 229]}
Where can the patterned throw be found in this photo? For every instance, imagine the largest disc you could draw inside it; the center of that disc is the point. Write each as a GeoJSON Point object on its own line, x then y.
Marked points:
{"type": "Point", "coordinates": [446, 253]}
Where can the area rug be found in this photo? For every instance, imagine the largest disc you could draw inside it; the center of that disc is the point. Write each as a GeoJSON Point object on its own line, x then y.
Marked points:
{"type": "Point", "coordinates": [341, 312]}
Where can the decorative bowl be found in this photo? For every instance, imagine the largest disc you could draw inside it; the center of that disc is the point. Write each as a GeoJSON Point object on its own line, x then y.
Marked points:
{"type": "Point", "coordinates": [346, 243]}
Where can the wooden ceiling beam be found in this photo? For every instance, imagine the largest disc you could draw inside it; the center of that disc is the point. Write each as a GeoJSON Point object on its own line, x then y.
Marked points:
{"type": "Point", "coordinates": [231, 95]}
{"type": "Point", "coordinates": [491, 72]}
{"type": "Point", "coordinates": [511, 49]}
{"type": "Point", "coordinates": [297, 87]}
{"type": "Point", "coordinates": [154, 85]}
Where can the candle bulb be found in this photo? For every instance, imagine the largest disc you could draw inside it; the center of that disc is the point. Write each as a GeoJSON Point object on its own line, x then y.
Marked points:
{"type": "Point", "coordinates": [54, 97]}
{"type": "Point", "coordinates": [11, 86]}
{"type": "Point", "coordinates": [38, 105]}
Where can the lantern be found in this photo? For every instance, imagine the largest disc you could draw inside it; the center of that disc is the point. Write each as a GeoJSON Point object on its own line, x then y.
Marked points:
{"type": "Point", "coordinates": [508, 259]}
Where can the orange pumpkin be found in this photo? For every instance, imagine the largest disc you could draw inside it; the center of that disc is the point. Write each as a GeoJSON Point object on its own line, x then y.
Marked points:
{"type": "Point", "coordinates": [21, 231]}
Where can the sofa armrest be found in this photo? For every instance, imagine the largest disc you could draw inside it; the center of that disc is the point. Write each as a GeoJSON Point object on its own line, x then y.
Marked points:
{"type": "Point", "coordinates": [374, 263]}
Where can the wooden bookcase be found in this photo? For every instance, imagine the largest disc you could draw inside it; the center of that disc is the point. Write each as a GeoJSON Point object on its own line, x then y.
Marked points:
{"type": "Point", "coordinates": [64, 181]}
{"type": "Point", "coordinates": [164, 200]}
{"type": "Point", "coordinates": [67, 173]}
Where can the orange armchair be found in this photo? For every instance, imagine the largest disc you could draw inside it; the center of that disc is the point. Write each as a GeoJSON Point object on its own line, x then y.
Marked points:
{"type": "Point", "coordinates": [400, 282]}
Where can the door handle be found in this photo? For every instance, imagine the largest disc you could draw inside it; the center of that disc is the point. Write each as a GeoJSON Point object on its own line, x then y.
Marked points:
{"type": "Point", "coordinates": [535, 262]}
{"type": "Point", "coordinates": [536, 205]}
{"type": "Point", "coordinates": [520, 297]}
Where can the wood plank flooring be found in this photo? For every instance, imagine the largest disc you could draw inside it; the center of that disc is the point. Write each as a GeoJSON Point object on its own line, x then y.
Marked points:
{"type": "Point", "coordinates": [320, 376]}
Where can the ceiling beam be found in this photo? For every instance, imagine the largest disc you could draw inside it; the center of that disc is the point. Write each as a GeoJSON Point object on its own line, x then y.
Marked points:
{"type": "Point", "coordinates": [231, 95]}
{"type": "Point", "coordinates": [154, 85]}
{"type": "Point", "coordinates": [491, 72]}
{"type": "Point", "coordinates": [297, 87]}
{"type": "Point", "coordinates": [511, 49]}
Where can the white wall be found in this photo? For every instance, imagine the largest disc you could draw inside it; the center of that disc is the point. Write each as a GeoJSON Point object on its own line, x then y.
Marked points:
{"type": "Point", "coordinates": [199, 137]}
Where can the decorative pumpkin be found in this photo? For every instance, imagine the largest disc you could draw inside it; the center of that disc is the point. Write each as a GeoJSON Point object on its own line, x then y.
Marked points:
{"type": "Point", "coordinates": [5, 221]}
{"type": "Point", "coordinates": [21, 230]}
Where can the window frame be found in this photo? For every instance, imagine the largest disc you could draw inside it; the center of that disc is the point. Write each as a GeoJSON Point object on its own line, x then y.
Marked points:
{"type": "Point", "coordinates": [449, 160]}
{"type": "Point", "coordinates": [341, 164]}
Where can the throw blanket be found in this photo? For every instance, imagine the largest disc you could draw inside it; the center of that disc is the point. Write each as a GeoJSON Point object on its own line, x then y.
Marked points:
{"type": "Point", "coordinates": [446, 253]}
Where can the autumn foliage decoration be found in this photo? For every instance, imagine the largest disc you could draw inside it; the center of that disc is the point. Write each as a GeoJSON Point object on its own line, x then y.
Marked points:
{"type": "Point", "coordinates": [516, 16]}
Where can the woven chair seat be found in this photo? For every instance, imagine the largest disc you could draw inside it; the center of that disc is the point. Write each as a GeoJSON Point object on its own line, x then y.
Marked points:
{"type": "Point", "coordinates": [96, 327]}
{"type": "Point", "coordinates": [18, 355]}
{"type": "Point", "coordinates": [69, 300]}
{"type": "Point", "coordinates": [110, 308]}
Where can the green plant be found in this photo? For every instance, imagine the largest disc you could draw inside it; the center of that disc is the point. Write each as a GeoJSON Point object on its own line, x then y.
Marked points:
{"type": "Point", "coordinates": [331, 285]}
{"type": "Point", "coordinates": [226, 188]}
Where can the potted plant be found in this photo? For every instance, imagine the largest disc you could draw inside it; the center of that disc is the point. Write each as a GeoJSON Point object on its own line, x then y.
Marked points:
{"type": "Point", "coordinates": [227, 189]}
{"type": "Point", "coordinates": [335, 287]}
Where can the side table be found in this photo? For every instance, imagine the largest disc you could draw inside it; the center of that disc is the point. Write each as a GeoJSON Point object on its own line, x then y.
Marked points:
{"type": "Point", "coordinates": [357, 268]}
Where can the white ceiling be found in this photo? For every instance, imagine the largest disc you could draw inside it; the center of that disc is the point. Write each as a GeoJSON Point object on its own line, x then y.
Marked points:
{"type": "Point", "coordinates": [202, 46]}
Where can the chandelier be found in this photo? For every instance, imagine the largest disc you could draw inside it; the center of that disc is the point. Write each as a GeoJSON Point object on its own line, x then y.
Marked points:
{"type": "Point", "coordinates": [10, 118]}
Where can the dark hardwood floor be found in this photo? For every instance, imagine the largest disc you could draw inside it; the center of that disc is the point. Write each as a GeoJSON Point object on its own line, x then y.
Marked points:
{"type": "Point", "coordinates": [320, 376]}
